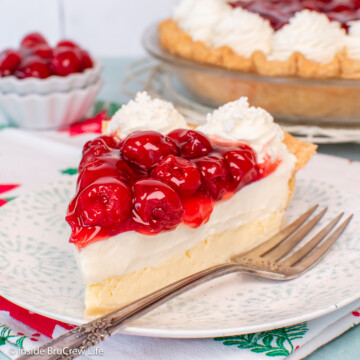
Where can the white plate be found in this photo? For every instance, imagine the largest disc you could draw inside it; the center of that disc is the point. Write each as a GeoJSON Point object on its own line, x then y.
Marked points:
{"type": "Point", "coordinates": [38, 271]}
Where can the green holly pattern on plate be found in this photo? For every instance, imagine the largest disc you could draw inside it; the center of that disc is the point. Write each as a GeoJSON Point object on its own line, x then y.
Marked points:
{"type": "Point", "coordinates": [69, 171]}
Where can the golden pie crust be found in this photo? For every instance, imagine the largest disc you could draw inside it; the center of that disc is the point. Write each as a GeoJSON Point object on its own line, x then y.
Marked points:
{"type": "Point", "coordinates": [308, 98]}
{"type": "Point", "coordinates": [180, 43]}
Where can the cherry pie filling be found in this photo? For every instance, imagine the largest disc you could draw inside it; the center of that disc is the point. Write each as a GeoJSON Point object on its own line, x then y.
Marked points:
{"type": "Point", "coordinates": [149, 182]}
{"type": "Point", "coordinates": [279, 12]}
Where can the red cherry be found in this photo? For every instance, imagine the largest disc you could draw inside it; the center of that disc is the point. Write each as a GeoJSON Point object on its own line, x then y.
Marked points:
{"type": "Point", "coordinates": [198, 209]}
{"type": "Point", "coordinates": [91, 153]}
{"type": "Point", "coordinates": [9, 61]}
{"type": "Point", "coordinates": [24, 52]}
{"type": "Point", "coordinates": [67, 43]}
{"type": "Point", "coordinates": [357, 4]}
{"type": "Point", "coordinates": [33, 66]}
{"type": "Point", "coordinates": [125, 171]}
{"type": "Point", "coordinates": [242, 166]}
{"type": "Point", "coordinates": [104, 203]}
{"type": "Point", "coordinates": [43, 50]}
{"type": "Point", "coordinates": [192, 144]}
{"type": "Point", "coordinates": [215, 177]}
{"type": "Point", "coordinates": [342, 7]}
{"type": "Point", "coordinates": [312, 5]}
{"type": "Point", "coordinates": [107, 140]}
{"type": "Point", "coordinates": [32, 40]}
{"type": "Point", "coordinates": [66, 61]}
{"type": "Point", "coordinates": [144, 149]}
{"type": "Point", "coordinates": [156, 206]}
{"type": "Point", "coordinates": [104, 166]}
{"type": "Point", "coordinates": [97, 149]}
{"type": "Point", "coordinates": [86, 60]}
{"type": "Point", "coordinates": [179, 173]}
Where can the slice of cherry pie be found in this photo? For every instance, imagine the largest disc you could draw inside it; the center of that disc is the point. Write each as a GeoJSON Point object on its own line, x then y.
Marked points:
{"type": "Point", "coordinates": [153, 206]}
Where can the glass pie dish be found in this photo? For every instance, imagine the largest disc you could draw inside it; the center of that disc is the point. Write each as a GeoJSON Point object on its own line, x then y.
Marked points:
{"type": "Point", "coordinates": [289, 99]}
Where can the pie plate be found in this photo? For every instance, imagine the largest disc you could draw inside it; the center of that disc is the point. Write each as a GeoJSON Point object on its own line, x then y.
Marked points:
{"type": "Point", "coordinates": [39, 272]}
{"type": "Point", "coordinates": [291, 100]}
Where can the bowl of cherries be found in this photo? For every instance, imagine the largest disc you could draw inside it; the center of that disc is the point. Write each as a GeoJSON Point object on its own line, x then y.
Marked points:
{"type": "Point", "coordinates": [44, 87]}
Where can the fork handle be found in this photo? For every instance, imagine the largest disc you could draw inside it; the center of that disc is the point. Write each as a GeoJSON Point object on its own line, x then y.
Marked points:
{"type": "Point", "coordinates": [74, 342]}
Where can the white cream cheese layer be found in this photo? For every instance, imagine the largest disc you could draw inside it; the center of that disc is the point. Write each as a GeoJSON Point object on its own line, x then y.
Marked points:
{"type": "Point", "coordinates": [236, 121]}
{"type": "Point", "coordinates": [130, 251]}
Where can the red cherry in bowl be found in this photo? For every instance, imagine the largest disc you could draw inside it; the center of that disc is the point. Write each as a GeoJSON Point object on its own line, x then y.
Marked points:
{"type": "Point", "coordinates": [86, 60]}
{"type": "Point", "coordinates": [67, 43]}
{"type": "Point", "coordinates": [156, 206]}
{"type": "Point", "coordinates": [44, 51]}
{"type": "Point", "coordinates": [144, 149]}
{"type": "Point", "coordinates": [33, 66]}
{"type": "Point", "coordinates": [179, 173]}
{"type": "Point", "coordinates": [9, 60]}
{"type": "Point", "coordinates": [104, 203]}
{"type": "Point", "coordinates": [192, 144]}
{"type": "Point", "coordinates": [32, 40]}
{"type": "Point", "coordinates": [65, 61]}
{"type": "Point", "coordinates": [215, 177]}
{"type": "Point", "coordinates": [242, 166]}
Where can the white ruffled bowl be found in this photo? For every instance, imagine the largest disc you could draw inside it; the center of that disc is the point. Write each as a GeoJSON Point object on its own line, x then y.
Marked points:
{"type": "Point", "coordinates": [11, 84]}
{"type": "Point", "coordinates": [50, 111]}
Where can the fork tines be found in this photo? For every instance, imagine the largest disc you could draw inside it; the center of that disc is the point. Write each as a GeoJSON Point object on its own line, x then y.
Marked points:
{"type": "Point", "coordinates": [278, 249]}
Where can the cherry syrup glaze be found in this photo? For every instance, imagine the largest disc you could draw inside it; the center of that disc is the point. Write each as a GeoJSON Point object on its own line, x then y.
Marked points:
{"type": "Point", "coordinates": [278, 12]}
{"type": "Point", "coordinates": [149, 182]}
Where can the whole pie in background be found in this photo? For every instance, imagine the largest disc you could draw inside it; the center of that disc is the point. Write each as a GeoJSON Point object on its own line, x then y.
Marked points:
{"type": "Point", "coordinates": [310, 38]}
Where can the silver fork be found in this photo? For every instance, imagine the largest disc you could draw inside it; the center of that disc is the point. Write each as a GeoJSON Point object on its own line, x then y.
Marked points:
{"type": "Point", "coordinates": [278, 258]}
